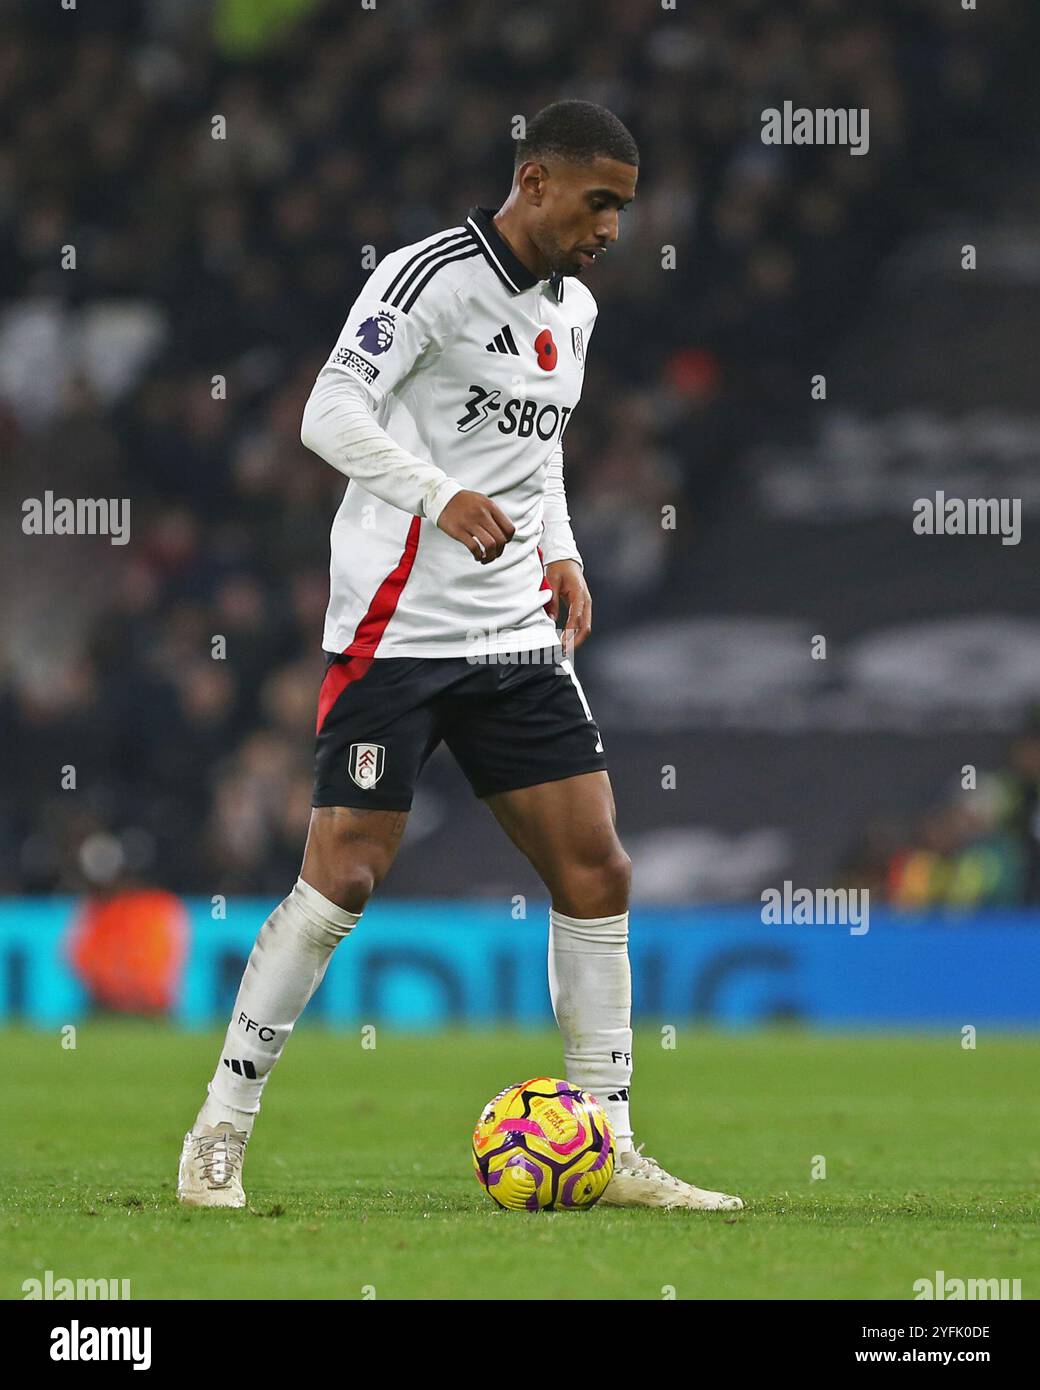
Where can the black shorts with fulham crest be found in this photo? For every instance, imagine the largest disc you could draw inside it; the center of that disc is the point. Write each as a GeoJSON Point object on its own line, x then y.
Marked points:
{"type": "Point", "coordinates": [509, 724]}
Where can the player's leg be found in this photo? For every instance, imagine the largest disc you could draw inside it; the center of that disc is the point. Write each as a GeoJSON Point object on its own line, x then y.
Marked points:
{"type": "Point", "coordinates": [348, 853]}
{"type": "Point", "coordinates": [567, 831]}
{"type": "Point", "coordinates": [373, 733]}
{"type": "Point", "coordinates": [531, 748]}
{"type": "Point", "coordinates": [524, 736]}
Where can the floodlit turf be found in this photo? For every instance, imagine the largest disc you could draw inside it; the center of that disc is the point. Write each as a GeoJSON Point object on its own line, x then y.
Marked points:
{"type": "Point", "coordinates": [359, 1174]}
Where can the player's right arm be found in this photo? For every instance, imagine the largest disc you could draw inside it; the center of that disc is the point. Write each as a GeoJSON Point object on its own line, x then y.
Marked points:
{"type": "Point", "coordinates": [381, 343]}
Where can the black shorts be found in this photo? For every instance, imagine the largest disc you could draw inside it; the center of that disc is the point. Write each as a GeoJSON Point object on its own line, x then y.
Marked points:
{"type": "Point", "coordinates": [508, 724]}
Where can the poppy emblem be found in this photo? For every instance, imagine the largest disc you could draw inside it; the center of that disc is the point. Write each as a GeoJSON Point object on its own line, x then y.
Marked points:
{"type": "Point", "coordinates": [545, 351]}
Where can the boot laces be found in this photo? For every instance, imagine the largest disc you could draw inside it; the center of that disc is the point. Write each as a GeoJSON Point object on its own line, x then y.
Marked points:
{"type": "Point", "coordinates": [220, 1156]}
{"type": "Point", "coordinates": [650, 1168]}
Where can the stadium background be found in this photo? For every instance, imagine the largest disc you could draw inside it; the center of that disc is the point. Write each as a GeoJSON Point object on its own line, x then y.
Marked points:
{"type": "Point", "coordinates": [197, 257]}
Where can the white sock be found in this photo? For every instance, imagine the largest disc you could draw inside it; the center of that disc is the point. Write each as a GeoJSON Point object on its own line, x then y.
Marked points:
{"type": "Point", "coordinates": [287, 964]}
{"type": "Point", "coordinates": [590, 984]}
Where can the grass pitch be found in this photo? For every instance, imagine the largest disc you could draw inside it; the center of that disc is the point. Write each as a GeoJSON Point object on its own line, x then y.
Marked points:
{"type": "Point", "coordinates": [359, 1174]}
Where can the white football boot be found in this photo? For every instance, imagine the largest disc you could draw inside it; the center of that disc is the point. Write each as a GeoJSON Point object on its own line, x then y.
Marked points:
{"type": "Point", "coordinates": [640, 1181]}
{"type": "Point", "coordinates": [211, 1167]}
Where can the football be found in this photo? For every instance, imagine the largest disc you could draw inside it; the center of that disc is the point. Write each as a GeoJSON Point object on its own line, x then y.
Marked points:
{"type": "Point", "coordinates": [543, 1144]}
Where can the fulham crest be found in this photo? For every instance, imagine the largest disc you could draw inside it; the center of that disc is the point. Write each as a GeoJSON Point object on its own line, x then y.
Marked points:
{"type": "Point", "coordinates": [365, 763]}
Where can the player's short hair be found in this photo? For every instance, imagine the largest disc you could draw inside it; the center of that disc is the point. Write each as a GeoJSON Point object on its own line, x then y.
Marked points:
{"type": "Point", "coordinates": [578, 131]}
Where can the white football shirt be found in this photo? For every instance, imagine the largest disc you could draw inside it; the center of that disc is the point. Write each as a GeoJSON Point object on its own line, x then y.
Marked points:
{"type": "Point", "coordinates": [471, 362]}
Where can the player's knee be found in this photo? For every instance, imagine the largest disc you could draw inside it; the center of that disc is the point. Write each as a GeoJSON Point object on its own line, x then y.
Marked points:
{"type": "Point", "coordinates": [350, 886]}
{"type": "Point", "coordinates": [344, 866]}
{"type": "Point", "coordinates": [346, 880]}
{"type": "Point", "coordinates": [617, 875]}
{"type": "Point", "coordinates": [595, 886]}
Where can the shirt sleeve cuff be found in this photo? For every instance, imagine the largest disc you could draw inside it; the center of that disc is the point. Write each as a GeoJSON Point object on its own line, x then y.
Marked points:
{"type": "Point", "coordinates": [558, 544]}
{"type": "Point", "coordinates": [438, 496]}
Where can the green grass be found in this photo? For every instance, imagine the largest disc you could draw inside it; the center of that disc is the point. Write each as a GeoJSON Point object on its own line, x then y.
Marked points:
{"type": "Point", "coordinates": [359, 1172]}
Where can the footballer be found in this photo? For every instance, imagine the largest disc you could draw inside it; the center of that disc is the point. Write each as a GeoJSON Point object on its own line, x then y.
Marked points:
{"type": "Point", "coordinates": [444, 403]}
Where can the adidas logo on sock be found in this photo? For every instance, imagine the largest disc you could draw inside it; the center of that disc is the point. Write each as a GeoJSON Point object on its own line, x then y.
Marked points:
{"type": "Point", "coordinates": [503, 342]}
{"type": "Point", "coordinates": [245, 1069]}
{"type": "Point", "coordinates": [619, 1095]}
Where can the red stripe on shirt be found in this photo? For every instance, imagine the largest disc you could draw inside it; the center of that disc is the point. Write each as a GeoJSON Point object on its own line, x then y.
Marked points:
{"type": "Point", "coordinates": [370, 629]}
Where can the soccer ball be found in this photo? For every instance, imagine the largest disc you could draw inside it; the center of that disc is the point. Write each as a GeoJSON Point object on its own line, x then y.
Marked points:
{"type": "Point", "coordinates": [543, 1144]}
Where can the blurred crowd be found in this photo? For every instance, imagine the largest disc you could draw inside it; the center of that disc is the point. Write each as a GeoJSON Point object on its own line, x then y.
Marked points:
{"type": "Point", "coordinates": [168, 297]}
{"type": "Point", "coordinates": [977, 845]}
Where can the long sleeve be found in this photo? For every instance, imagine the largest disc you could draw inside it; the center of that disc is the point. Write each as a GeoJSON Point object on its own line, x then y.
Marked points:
{"type": "Point", "coordinates": [339, 426]}
{"type": "Point", "coordinates": [557, 538]}
{"type": "Point", "coordinates": [390, 331]}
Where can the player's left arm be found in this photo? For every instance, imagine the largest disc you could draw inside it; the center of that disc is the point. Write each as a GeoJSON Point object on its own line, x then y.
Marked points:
{"type": "Point", "coordinates": [563, 564]}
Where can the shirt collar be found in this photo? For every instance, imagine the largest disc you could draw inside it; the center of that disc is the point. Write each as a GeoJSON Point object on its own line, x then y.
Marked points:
{"type": "Point", "coordinates": [501, 257]}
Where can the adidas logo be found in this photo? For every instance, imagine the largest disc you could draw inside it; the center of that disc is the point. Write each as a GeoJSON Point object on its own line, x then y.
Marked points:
{"type": "Point", "coordinates": [619, 1095]}
{"type": "Point", "coordinates": [245, 1069]}
{"type": "Point", "coordinates": [503, 342]}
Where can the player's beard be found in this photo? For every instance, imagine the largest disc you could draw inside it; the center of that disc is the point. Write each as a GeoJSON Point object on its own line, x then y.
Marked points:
{"type": "Point", "coordinates": [561, 261]}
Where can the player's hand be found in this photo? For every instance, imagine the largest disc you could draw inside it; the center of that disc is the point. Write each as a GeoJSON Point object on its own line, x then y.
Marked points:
{"type": "Point", "coordinates": [475, 522]}
{"type": "Point", "coordinates": [568, 585]}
